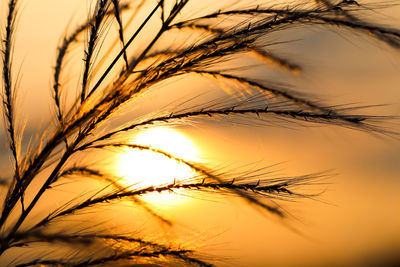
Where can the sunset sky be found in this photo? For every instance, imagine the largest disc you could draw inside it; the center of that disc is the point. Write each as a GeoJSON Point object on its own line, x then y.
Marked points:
{"type": "Point", "coordinates": [356, 218]}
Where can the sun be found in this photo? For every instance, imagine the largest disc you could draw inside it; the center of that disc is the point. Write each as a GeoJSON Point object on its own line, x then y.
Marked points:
{"type": "Point", "coordinates": [149, 168]}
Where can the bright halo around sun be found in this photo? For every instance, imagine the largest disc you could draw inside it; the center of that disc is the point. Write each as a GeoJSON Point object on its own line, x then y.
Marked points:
{"type": "Point", "coordinates": [149, 168]}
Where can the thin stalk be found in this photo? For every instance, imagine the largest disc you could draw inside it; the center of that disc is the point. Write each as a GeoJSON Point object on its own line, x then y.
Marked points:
{"type": "Point", "coordinates": [117, 11]}
{"type": "Point", "coordinates": [123, 50]}
{"type": "Point", "coordinates": [101, 7]}
{"type": "Point", "coordinates": [165, 26]}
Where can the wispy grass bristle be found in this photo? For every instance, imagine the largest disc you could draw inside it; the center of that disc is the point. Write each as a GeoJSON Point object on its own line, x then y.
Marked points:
{"type": "Point", "coordinates": [95, 28]}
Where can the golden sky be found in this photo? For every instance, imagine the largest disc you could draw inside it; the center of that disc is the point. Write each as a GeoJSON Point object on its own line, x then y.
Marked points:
{"type": "Point", "coordinates": [355, 219]}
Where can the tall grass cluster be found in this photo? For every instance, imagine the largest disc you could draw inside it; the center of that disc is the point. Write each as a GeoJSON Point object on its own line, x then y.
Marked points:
{"type": "Point", "coordinates": [33, 233]}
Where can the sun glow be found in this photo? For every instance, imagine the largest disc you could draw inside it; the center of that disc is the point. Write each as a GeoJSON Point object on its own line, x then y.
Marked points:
{"type": "Point", "coordinates": [149, 168]}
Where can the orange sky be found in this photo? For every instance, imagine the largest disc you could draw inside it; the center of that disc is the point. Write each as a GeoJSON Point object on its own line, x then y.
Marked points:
{"type": "Point", "coordinates": [358, 217]}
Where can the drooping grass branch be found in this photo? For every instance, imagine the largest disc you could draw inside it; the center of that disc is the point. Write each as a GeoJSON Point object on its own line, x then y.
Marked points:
{"type": "Point", "coordinates": [62, 51]}
{"type": "Point", "coordinates": [286, 94]}
{"type": "Point", "coordinates": [20, 239]}
{"type": "Point", "coordinates": [338, 8]}
{"type": "Point", "coordinates": [262, 54]}
{"type": "Point", "coordinates": [278, 187]}
{"type": "Point", "coordinates": [180, 254]}
{"type": "Point", "coordinates": [202, 171]}
{"type": "Point", "coordinates": [358, 122]}
{"type": "Point", "coordinates": [114, 182]}
{"type": "Point", "coordinates": [282, 16]}
{"type": "Point", "coordinates": [9, 90]}
{"type": "Point", "coordinates": [268, 56]}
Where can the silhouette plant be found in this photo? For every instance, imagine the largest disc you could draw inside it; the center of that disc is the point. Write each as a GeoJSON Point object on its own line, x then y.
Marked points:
{"type": "Point", "coordinates": [91, 122]}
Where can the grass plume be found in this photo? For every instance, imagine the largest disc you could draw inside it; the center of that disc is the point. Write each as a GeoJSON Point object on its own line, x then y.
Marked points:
{"type": "Point", "coordinates": [91, 121]}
